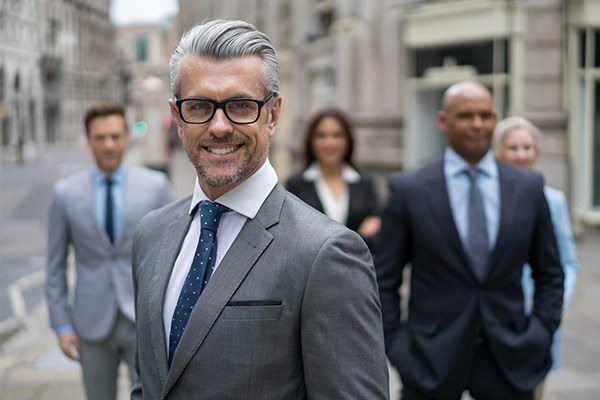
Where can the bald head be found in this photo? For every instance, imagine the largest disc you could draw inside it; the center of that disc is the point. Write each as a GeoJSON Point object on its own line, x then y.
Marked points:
{"type": "Point", "coordinates": [463, 89]}
{"type": "Point", "coordinates": [468, 119]}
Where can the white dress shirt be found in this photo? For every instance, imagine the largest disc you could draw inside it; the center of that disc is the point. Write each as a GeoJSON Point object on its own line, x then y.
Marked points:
{"type": "Point", "coordinates": [245, 200]}
{"type": "Point", "coordinates": [336, 209]}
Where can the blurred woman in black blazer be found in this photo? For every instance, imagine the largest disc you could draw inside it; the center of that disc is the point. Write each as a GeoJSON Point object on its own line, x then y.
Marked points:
{"type": "Point", "coordinates": [330, 182]}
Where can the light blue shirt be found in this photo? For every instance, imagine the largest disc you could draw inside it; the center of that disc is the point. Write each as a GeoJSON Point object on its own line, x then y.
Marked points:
{"type": "Point", "coordinates": [458, 185]}
{"type": "Point", "coordinates": [99, 187]}
{"type": "Point", "coordinates": [559, 212]}
{"type": "Point", "coordinates": [99, 183]}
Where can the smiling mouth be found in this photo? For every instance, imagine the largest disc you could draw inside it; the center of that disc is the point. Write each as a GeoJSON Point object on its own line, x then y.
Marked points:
{"type": "Point", "coordinates": [221, 151]}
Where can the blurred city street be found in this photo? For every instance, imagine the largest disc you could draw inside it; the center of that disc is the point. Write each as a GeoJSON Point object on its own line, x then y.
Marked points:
{"type": "Point", "coordinates": [386, 63]}
{"type": "Point", "coordinates": [32, 366]}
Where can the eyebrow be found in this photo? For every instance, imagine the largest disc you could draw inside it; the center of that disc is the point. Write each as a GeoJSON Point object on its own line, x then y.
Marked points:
{"type": "Point", "coordinates": [238, 95]}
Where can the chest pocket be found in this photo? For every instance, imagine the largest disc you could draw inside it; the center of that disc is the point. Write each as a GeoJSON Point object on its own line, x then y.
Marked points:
{"type": "Point", "coordinates": [252, 310]}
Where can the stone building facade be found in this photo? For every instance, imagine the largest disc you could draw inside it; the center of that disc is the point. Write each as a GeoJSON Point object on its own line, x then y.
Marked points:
{"type": "Point", "coordinates": [56, 58]}
{"type": "Point", "coordinates": [21, 90]}
{"type": "Point", "coordinates": [145, 50]}
{"type": "Point", "coordinates": [387, 62]}
{"type": "Point", "coordinates": [539, 58]}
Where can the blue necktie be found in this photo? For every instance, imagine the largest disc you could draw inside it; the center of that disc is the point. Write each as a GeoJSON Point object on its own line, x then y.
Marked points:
{"type": "Point", "coordinates": [200, 272]}
{"type": "Point", "coordinates": [109, 221]}
{"type": "Point", "coordinates": [477, 235]}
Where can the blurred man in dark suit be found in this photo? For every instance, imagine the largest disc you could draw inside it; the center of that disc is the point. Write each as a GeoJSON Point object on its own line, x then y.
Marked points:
{"type": "Point", "coordinates": [467, 224]}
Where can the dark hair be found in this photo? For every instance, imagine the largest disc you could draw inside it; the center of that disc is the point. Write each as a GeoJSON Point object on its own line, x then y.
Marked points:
{"type": "Point", "coordinates": [103, 109]}
{"type": "Point", "coordinates": [348, 128]}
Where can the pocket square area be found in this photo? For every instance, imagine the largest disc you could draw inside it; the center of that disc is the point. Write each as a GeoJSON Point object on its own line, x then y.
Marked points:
{"type": "Point", "coordinates": [248, 303]}
{"type": "Point", "coordinates": [252, 311]}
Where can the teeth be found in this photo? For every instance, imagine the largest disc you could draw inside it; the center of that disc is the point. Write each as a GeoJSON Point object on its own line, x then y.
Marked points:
{"type": "Point", "coordinates": [222, 152]}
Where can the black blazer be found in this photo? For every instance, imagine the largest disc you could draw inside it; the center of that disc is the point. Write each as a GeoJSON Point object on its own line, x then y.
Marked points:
{"type": "Point", "coordinates": [363, 198]}
{"type": "Point", "coordinates": [448, 305]}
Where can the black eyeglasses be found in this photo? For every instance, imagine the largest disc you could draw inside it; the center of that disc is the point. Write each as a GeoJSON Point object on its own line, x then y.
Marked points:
{"type": "Point", "coordinates": [238, 111]}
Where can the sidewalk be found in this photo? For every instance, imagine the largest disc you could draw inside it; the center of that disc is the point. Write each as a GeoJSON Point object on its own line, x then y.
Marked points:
{"type": "Point", "coordinates": [33, 367]}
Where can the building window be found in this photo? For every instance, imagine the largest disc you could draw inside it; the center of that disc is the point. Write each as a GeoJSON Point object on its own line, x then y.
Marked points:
{"type": "Point", "coordinates": [326, 18]}
{"type": "Point", "coordinates": [4, 138]}
{"type": "Point", "coordinates": [141, 48]}
{"type": "Point", "coordinates": [1, 88]}
{"type": "Point", "coordinates": [477, 55]}
{"type": "Point", "coordinates": [587, 110]}
{"type": "Point", "coordinates": [596, 157]}
{"type": "Point", "coordinates": [323, 17]}
{"type": "Point", "coordinates": [582, 45]}
{"type": "Point", "coordinates": [53, 31]}
{"type": "Point", "coordinates": [431, 70]}
{"type": "Point", "coordinates": [597, 48]}
{"type": "Point", "coordinates": [322, 88]}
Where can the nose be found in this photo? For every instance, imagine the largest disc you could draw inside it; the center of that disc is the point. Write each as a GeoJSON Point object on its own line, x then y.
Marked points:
{"type": "Point", "coordinates": [109, 143]}
{"type": "Point", "coordinates": [330, 141]}
{"type": "Point", "coordinates": [220, 125]}
{"type": "Point", "coordinates": [522, 154]}
{"type": "Point", "coordinates": [477, 122]}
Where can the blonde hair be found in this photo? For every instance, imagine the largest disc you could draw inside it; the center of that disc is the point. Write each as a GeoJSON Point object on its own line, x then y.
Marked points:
{"type": "Point", "coordinates": [509, 124]}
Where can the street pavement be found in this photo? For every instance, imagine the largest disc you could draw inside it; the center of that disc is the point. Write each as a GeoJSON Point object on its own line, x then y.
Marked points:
{"type": "Point", "coordinates": [32, 366]}
{"type": "Point", "coordinates": [24, 195]}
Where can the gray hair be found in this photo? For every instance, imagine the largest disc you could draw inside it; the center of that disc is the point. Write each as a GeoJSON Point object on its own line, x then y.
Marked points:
{"type": "Point", "coordinates": [222, 40]}
{"type": "Point", "coordinates": [511, 123]}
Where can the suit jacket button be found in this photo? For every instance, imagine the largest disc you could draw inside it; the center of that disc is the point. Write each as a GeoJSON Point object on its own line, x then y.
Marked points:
{"type": "Point", "coordinates": [479, 336]}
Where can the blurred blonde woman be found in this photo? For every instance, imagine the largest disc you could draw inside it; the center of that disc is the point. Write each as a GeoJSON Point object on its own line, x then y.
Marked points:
{"type": "Point", "coordinates": [517, 142]}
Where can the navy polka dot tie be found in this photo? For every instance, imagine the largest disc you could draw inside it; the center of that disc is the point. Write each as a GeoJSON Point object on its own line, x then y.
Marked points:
{"type": "Point", "coordinates": [200, 272]}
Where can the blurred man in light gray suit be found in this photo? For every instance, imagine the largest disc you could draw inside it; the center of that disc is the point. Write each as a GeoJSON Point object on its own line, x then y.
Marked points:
{"type": "Point", "coordinates": [95, 212]}
{"type": "Point", "coordinates": [243, 291]}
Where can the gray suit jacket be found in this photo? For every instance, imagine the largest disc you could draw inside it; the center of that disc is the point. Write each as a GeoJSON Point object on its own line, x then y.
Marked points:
{"type": "Point", "coordinates": [104, 284]}
{"type": "Point", "coordinates": [292, 312]}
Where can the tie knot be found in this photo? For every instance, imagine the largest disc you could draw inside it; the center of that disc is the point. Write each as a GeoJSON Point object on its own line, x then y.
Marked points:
{"type": "Point", "coordinates": [472, 173]}
{"type": "Point", "coordinates": [108, 180]}
{"type": "Point", "coordinates": [210, 214]}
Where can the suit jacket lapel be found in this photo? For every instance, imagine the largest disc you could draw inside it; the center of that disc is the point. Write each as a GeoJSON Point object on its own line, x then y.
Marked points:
{"type": "Point", "coordinates": [251, 242]}
{"type": "Point", "coordinates": [507, 205]}
{"type": "Point", "coordinates": [440, 202]}
{"type": "Point", "coordinates": [129, 190]}
{"type": "Point", "coordinates": [314, 201]}
{"type": "Point", "coordinates": [170, 246]}
{"type": "Point", "coordinates": [354, 198]}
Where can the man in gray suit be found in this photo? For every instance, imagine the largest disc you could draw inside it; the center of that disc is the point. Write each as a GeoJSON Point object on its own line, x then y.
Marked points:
{"type": "Point", "coordinates": [95, 212]}
{"type": "Point", "coordinates": [243, 291]}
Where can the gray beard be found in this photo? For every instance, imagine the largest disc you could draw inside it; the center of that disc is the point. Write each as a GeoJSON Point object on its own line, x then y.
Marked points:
{"type": "Point", "coordinates": [242, 172]}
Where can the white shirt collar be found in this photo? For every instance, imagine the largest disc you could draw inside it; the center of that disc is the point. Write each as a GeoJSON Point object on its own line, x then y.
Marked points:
{"type": "Point", "coordinates": [454, 164]}
{"type": "Point", "coordinates": [313, 173]}
{"type": "Point", "coordinates": [247, 197]}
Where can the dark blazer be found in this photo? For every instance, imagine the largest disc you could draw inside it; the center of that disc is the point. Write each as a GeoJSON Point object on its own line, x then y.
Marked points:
{"type": "Point", "coordinates": [363, 198]}
{"type": "Point", "coordinates": [448, 305]}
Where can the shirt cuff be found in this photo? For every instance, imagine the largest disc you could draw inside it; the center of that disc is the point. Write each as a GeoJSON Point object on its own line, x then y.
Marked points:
{"type": "Point", "coordinates": [64, 329]}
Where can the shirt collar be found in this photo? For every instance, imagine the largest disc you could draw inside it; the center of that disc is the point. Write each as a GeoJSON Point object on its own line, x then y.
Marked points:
{"type": "Point", "coordinates": [247, 197]}
{"type": "Point", "coordinates": [117, 177]}
{"type": "Point", "coordinates": [454, 164]}
{"type": "Point", "coordinates": [313, 173]}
